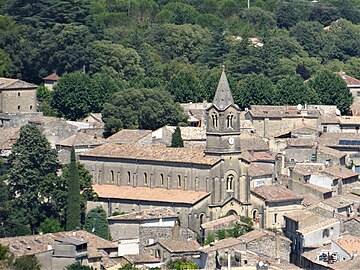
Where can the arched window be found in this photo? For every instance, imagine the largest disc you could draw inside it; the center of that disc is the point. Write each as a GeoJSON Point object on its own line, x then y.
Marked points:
{"type": "Point", "coordinates": [215, 119]}
{"type": "Point", "coordinates": [229, 120]}
{"type": "Point", "coordinates": [145, 179]}
{"type": "Point", "coordinates": [325, 233]}
{"type": "Point", "coordinates": [179, 180]}
{"type": "Point", "coordinates": [129, 177]}
{"type": "Point", "coordinates": [161, 180]}
{"type": "Point", "coordinates": [230, 183]}
{"type": "Point", "coordinates": [112, 176]}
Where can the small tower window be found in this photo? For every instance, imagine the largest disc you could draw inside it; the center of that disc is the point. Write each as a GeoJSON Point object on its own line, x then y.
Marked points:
{"type": "Point", "coordinates": [161, 180]}
{"type": "Point", "coordinates": [214, 118]}
{"type": "Point", "coordinates": [145, 179]}
{"type": "Point", "coordinates": [19, 107]}
{"type": "Point", "coordinates": [179, 180]}
{"type": "Point", "coordinates": [129, 177]}
{"type": "Point", "coordinates": [230, 183]}
{"type": "Point", "coordinates": [19, 94]}
{"type": "Point", "coordinates": [30, 107]}
{"type": "Point", "coordinates": [112, 176]}
{"type": "Point", "coordinates": [229, 120]}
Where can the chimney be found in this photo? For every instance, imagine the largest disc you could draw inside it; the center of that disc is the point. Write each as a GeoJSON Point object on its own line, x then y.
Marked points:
{"type": "Point", "coordinates": [277, 246]}
{"type": "Point", "coordinates": [176, 232]}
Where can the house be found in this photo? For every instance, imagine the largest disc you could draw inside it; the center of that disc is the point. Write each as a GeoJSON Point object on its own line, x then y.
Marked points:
{"type": "Point", "coordinates": [57, 250]}
{"type": "Point", "coordinates": [132, 136]}
{"type": "Point", "coordinates": [276, 201]}
{"type": "Point", "coordinates": [352, 226]}
{"type": "Point", "coordinates": [308, 230]}
{"type": "Point", "coordinates": [220, 253]}
{"type": "Point", "coordinates": [259, 176]}
{"type": "Point", "coordinates": [142, 261]}
{"type": "Point", "coordinates": [336, 206]}
{"type": "Point", "coordinates": [95, 120]}
{"type": "Point", "coordinates": [51, 80]}
{"type": "Point", "coordinates": [352, 83]}
{"type": "Point", "coordinates": [167, 250]}
{"type": "Point", "coordinates": [17, 96]}
{"type": "Point", "coordinates": [268, 243]}
{"type": "Point", "coordinates": [81, 142]}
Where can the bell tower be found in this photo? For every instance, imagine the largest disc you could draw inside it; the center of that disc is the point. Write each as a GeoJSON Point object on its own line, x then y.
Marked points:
{"type": "Point", "coordinates": [223, 122]}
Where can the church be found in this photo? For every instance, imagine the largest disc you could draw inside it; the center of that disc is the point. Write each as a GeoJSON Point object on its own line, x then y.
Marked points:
{"type": "Point", "coordinates": [200, 184]}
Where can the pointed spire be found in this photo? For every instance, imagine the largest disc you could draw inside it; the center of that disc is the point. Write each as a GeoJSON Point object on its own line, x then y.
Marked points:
{"type": "Point", "coordinates": [223, 97]}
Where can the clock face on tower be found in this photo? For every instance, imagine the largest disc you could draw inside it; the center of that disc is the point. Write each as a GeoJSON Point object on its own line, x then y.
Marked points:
{"type": "Point", "coordinates": [231, 140]}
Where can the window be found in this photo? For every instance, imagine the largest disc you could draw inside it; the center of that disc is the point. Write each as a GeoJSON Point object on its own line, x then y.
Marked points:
{"type": "Point", "coordinates": [19, 94]}
{"type": "Point", "coordinates": [327, 162]}
{"type": "Point", "coordinates": [214, 118]}
{"type": "Point", "coordinates": [325, 129]}
{"type": "Point", "coordinates": [19, 107]}
{"type": "Point", "coordinates": [230, 183]}
{"type": "Point", "coordinates": [157, 253]}
{"type": "Point", "coordinates": [161, 179]}
{"type": "Point", "coordinates": [229, 120]}
{"type": "Point", "coordinates": [30, 107]}
{"type": "Point", "coordinates": [325, 233]}
{"type": "Point", "coordinates": [112, 176]}
{"type": "Point", "coordinates": [129, 177]}
{"type": "Point", "coordinates": [145, 179]}
{"type": "Point", "coordinates": [179, 180]}
{"type": "Point", "coordinates": [164, 255]}
{"type": "Point", "coordinates": [275, 219]}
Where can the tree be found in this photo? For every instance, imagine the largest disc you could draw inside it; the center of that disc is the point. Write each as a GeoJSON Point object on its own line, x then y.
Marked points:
{"type": "Point", "coordinates": [186, 87]}
{"type": "Point", "coordinates": [176, 139]}
{"type": "Point", "coordinates": [32, 178]}
{"type": "Point", "coordinates": [141, 109]}
{"type": "Point", "coordinates": [127, 266]}
{"type": "Point", "coordinates": [293, 91]}
{"type": "Point", "coordinates": [181, 13]}
{"type": "Point", "coordinates": [113, 59]}
{"type": "Point", "coordinates": [256, 90]}
{"type": "Point", "coordinates": [209, 238]}
{"type": "Point", "coordinates": [181, 264]}
{"type": "Point", "coordinates": [73, 210]}
{"type": "Point", "coordinates": [96, 223]}
{"type": "Point", "coordinates": [332, 90]}
{"type": "Point", "coordinates": [50, 225]}
{"type": "Point", "coordinates": [44, 97]}
{"type": "Point", "coordinates": [27, 262]}
{"type": "Point", "coordinates": [4, 203]}
{"type": "Point", "coordinates": [287, 15]}
{"type": "Point", "coordinates": [78, 266]}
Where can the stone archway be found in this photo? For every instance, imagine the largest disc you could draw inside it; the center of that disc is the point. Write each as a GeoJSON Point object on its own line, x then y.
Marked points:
{"type": "Point", "coordinates": [232, 212]}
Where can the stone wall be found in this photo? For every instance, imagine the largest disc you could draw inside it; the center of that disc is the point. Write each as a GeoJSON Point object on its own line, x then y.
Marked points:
{"type": "Point", "coordinates": [267, 246]}
{"type": "Point", "coordinates": [18, 101]}
{"type": "Point", "coordinates": [352, 226]}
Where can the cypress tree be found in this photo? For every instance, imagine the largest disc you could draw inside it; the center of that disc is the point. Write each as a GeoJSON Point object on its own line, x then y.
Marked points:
{"type": "Point", "coordinates": [176, 139]}
{"type": "Point", "coordinates": [73, 210]}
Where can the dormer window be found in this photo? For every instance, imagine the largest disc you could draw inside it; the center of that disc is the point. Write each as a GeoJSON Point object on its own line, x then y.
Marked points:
{"type": "Point", "coordinates": [215, 119]}
{"type": "Point", "coordinates": [229, 120]}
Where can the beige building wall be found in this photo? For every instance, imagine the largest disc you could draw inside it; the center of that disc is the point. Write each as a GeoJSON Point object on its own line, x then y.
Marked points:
{"type": "Point", "coordinates": [18, 101]}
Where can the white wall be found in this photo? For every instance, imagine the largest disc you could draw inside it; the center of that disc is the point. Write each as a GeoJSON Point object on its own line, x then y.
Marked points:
{"type": "Point", "coordinates": [321, 180]}
{"type": "Point", "coordinates": [128, 247]}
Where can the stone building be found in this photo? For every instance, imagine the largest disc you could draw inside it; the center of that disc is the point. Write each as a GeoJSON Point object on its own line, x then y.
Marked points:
{"type": "Point", "coordinates": [51, 80]}
{"type": "Point", "coordinates": [17, 96]}
{"type": "Point", "coordinates": [217, 174]}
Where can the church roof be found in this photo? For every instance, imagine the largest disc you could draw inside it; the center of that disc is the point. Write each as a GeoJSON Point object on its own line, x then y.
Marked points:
{"type": "Point", "coordinates": [223, 97]}
{"type": "Point", "coordinates": [151, 153]}
{"type": "Point", "coordinates": [14, 84]}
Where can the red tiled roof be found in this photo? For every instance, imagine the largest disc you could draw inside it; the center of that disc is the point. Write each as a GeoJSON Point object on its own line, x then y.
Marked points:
{"type": "Point", "coordinates": [275, 193]}
{"type": "Point", "coordinates": [224, 243]}
{"type": "Point", "coordinates": [340, 171]}
{"type": "Point", "coordinates": [220, 221]}
{"type": "Point", "coordinates": [149, 194]}
{"type": "Point", "coordinates": [129, 136]}
{"type": "Point", "coordinates": [155, 213]}
{"type": "Point", "coordinates": [180, 245]}
{"type": "Point", "coordinates": [348, 79]}
{"type": "Point", "coordinates": [153, 153]}
{"type": "Point", "coordinates": [51, 77]}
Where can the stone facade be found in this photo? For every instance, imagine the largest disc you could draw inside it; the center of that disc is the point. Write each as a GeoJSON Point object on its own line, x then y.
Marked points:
{"type": "Point", "coordinates": [17, 96]}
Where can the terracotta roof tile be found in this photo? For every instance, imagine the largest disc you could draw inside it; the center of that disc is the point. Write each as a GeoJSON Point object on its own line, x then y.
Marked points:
{"type": "Point", "coordinates": [265, 156]}
{"type": "Point", "coordinates": [82, 139]}
{"type": "Point", "coordinates": [149, 194]}
{"type": "Point", "coordinates": [337, 202]}
{"type": "Point", "coordinates": [250, 143]}
{"type": "Point", "coordinates": [180, 245]}
{"type": "Point", "coordinates": [300, 215]}
{"type": "Point", "coordinates": [349, 244]}
{"type": "Point", "coordinates": [331, 151]}
{"type": "Point", "coordinates": [309, 200]}
{"type": "Point", "coordinates": [257, 234]}
{"type": "Point", "coordinates": [340, 172]}
{"type": "Point", "coordinates": [224, 243]}
{"type": "Point", "coordinates": [153, 153]}
{"type": "Point", "coordinates": [141, 258]}
{"type": "Point", "coordinates": [129, 136]}
{"type": "Point", "coordinates": [350, 81]}
{"type": "Point", "coordinates": [275, 193]}
{"type": "Point", "coordinates": [51, 77]}
{"type": "Point", "coordinates": [12, 84]}
{"type": "Point", "coordinates": [39, 243]}
{"type": "Point", "coordinates": [221, 221]}
{"type": "Point", "coordinates": [147, 214]}
{"type": "Point", "coordinates": [318, 226]}
{"type": "Point", "coordinates": [301, 142]}
{"type": "Point", "coordinates": [255, 171]}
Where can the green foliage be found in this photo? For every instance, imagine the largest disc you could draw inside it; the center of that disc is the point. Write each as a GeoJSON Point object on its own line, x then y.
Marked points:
{"type": "Point", "coordinates": [96, 223]}
{"type": "Point", "coordinates": [176, 139]}
{"type": "Point", "coordinates": [332, 90]}
{"type": "Point", "coordinates": [27, 262]}
{"type": "Point", "coordinates": [127, 266]}
{"type": "Point", "coordinates": [181, 264]}
{"type": "Point", "coordinates": [44, 97]}
{"type": "Point", "coordinates": [209, 238]}
{"type": "Point", "coordinates": [141, 109]}
{"type": "Point", "coordinates": [32, 178]}
{"type": "Point", "coordinates": [73, 210]}
{"type": "Point", "coordinates": [50, 225]}
{"type": "Point", "coordinates": [78, 266]}
{"type": "Point", "coordinates": [220, 234]}
{"type": "Point", "coordinates": [4, 253]}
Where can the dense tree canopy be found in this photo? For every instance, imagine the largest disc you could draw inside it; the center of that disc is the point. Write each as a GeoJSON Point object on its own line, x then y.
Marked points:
{"type": "Point", "coordinates": [96, 222]}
